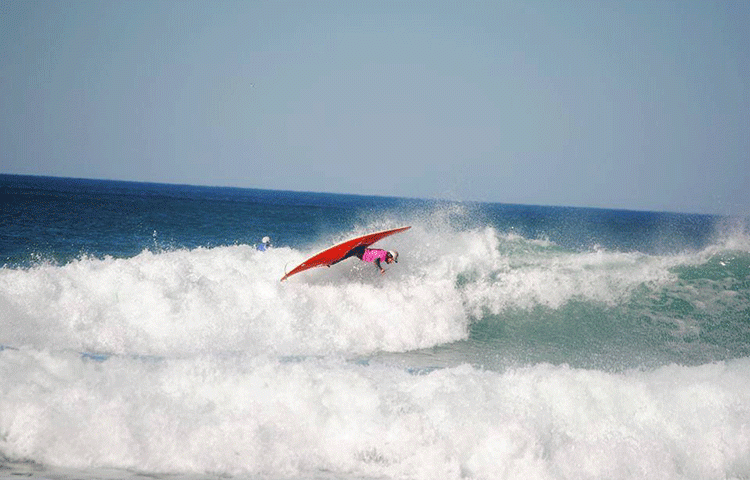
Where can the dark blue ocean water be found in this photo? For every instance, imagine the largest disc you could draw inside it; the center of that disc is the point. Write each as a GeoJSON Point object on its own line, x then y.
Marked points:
{"type": "Point", "coordinates": [62, 218]}
{"type": "Point", "coordinates": [142, 333]}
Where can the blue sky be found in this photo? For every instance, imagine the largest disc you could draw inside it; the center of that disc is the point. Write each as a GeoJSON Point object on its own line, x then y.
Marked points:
{"type": "Point", "coordinates": [629, 104]}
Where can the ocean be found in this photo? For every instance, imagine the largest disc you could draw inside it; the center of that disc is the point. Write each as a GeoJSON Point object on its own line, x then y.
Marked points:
{"type": "Point", "coordinates": [143, 335]}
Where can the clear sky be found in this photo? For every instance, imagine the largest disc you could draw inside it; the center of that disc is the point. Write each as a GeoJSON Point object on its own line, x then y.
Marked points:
{"type": "Point", "coordinates": [619, 104]}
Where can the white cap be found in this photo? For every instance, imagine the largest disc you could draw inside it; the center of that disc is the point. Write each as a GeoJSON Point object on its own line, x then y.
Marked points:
{"type": "Point", "coordinates": [394, 254]}
{"type": "Point", "coordinates": [266, 240]}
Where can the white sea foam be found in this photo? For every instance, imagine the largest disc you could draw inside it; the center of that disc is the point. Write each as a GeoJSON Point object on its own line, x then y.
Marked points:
{"type": "Point", "coordinates": [222, 299]}
{"type": "Point", "coordinates": [230, 299]}
{"type": "Point", "coordinates": [264, 417]}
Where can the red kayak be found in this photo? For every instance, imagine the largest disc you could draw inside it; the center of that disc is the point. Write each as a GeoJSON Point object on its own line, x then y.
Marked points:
{"type": "Point", "coordinates": [338, 252]}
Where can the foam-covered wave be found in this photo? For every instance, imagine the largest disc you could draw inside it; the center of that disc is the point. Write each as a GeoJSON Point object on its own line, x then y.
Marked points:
{"type": "Point", "coordinates": [228, 299]}
{"type": "Point", "coordinates": [537, 302]}
{"type": "Point", "coordinates": [221, 299]}
{"type": "Point", "coordinates": [233, 415]}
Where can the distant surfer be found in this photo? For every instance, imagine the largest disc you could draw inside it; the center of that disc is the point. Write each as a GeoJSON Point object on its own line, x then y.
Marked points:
{"type": "Point", "coordinates": [265, 244]}
{"type": "Point", "coordinates": [374, 256]}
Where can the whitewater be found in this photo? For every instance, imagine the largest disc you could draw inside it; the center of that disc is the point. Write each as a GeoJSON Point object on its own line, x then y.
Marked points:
{"type": "Point", "coordinates": [487, 352]}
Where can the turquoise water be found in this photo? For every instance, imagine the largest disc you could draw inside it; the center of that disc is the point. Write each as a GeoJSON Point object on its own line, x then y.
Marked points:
{"type": "Point", "coordinates": [143, 334]}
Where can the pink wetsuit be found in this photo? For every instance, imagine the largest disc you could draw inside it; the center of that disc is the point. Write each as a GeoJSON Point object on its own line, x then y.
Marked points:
{"type": "Point", "coordinates": [371, 254]}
